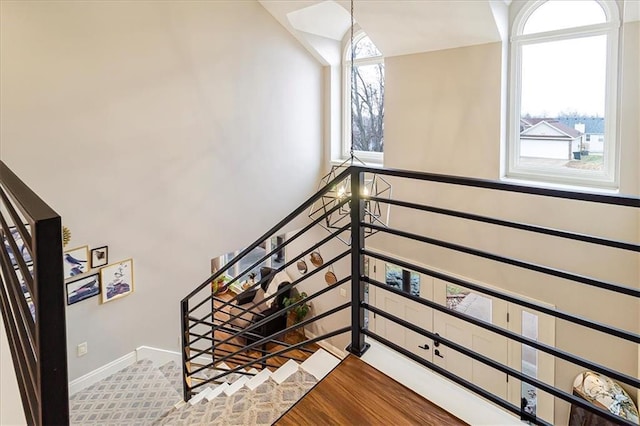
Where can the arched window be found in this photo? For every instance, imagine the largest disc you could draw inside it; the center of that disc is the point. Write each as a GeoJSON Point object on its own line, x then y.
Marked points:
{"type": "Point", "coordinates": [364, 100]}
{"type": "Point", "coordinates": [563, 92]}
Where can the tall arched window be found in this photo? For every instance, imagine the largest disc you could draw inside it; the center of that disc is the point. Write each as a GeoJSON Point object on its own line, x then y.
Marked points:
{"type": "Point", "coordinates": [364, 100]}
{"type": "Point", "coordinates": [563, 92]}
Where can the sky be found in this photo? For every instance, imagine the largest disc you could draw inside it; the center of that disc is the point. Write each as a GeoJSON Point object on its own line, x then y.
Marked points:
{"type": "Point", "coordinates": [567, 75]}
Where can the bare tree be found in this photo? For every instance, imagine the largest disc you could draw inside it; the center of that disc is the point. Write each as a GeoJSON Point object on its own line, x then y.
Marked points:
{"type": "Point", "coordinates": [367, 107]}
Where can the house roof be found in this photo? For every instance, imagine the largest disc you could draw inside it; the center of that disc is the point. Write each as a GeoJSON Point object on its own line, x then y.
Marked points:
{"type": "Point", "coordinates": [530, 123]}
{"type": "Point", "coordinates": [592, 125]}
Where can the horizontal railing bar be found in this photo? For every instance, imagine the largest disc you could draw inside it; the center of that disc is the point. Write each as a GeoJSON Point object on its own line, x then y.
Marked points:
{"type": "Point", "coordinates": [558, 353]}
{"type": "Point", "coordinates": [281, 246]}
{"type": "Point", "coordinates": [515, 225]}
{"type": "Point", "coordinates": [485, 360]}
{"type": "Point", "coordinates": [617, 200]}
{"type": "Point", "coordinates": [289, 288]}
{"type": "Point", "coordinates": [17, 255]}
{"type": "Point", "coordinates": [511, 261]}
{"type": "Point", "coordinates": [283, 267]}
{"type": "Point", "coordinates": [17, 299]}
{"type": "Point", "coordinates": [200, 352]}
{"type": "Point", "coordinates": [443, 372]}
{"type": "Point", "coordinates": [209, 338]}
{"type": "Point", "coordinates": [290, 217]}
{"type": "Point", "coordinates": [283, 311]}
{"type": "Point", "coordinates": [613, 331]}
{"type": "Point", "coordinates": [294, 327]}
{"type": "Point", "coordinates": [246, 358]}
{"type": "Point", "coordinates": [273, 341]}
{"type": "Point", "coordinates": [281, 351]}
{"type": "Point", "coordinates": [17, 220]}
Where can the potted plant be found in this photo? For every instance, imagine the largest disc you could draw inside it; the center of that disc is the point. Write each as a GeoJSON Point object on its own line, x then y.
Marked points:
{"type": "Point", "coordinates": [298, 312]}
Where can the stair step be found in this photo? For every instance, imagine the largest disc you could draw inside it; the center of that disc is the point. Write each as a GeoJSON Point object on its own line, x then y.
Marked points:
{"type": "Point", "coordinates": [199, 397]}
{"type": "Point", "coordinates": [258, 379]}
{"type": "Point", "coordinates": [320, 364]}
{"type": "Point", "coordinates": [217, 391]}
{"type": "Point", "coordinates": [285, 370]}
{"type": "Point", "coordinates": [236, 386]}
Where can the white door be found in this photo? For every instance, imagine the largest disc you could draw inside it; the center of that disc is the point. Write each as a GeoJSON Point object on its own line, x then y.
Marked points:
{"type": "Point", "coordinates": [472, 337]}
{"type": "Point", "coordinates": [530, 361]}
{"type": "Point", "coordinates": [403, 308]}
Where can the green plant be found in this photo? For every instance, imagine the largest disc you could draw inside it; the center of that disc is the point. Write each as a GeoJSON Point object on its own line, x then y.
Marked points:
{"type": "Point", "coordinates": [300, 311]}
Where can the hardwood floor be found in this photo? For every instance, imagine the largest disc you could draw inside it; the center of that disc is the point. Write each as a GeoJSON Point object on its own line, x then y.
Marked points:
{"type": "Point", "coordinates": [357, 394]}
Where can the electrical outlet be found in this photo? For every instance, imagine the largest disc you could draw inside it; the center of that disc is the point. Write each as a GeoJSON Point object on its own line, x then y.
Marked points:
{"type": "Point", "coordinates": [343, 292]}
{"type": "Point", "coordinates": [82, 349]}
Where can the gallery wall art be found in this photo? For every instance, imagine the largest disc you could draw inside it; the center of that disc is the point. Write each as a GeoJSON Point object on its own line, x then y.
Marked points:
{"type": "Point", "coordinates": [83, 288]}
{"type": "Point", "coordinates": [76, 261]}
{"type": "Point", "coordinates": [116, 280]}
{"type": "Point", "coordinates": [99, 256]}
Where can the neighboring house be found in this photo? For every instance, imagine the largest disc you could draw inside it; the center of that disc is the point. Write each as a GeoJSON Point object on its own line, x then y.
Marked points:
{"type": "Point", "coordinates": [592, 127]}
{"type": "Point", "coordinates": [548, 138]}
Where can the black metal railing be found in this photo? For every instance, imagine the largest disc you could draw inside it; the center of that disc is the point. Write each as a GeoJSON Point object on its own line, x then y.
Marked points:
{"type": "Point", "coordinates": [361, 281]}
{"type": "Point", "coordinates": [32, 300]}
{"type": "Point", "coordinates": [214, 336]}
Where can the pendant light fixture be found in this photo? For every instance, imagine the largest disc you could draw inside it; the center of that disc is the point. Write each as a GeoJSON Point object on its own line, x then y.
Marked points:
{"type": "Point", "coordinates": [374, 185]}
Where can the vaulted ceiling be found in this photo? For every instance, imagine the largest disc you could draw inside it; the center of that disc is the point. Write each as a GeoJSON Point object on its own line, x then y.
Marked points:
{"type": "Point", "coordinates": [397, 27]}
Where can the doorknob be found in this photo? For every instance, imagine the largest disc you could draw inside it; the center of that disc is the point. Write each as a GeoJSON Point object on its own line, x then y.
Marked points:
{"type": "Point", "coordinates": [437, 353]}
{"type": "Point", "coordinates": [425, 347]}
{"type": "Point", "coordinates": [436, 343]}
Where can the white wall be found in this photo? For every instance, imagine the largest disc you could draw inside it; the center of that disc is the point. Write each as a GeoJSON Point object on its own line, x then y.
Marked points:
{"type": "Point", "coordinates": [170, 131]}
{"type": "Point", "coordinates": [443, 116]}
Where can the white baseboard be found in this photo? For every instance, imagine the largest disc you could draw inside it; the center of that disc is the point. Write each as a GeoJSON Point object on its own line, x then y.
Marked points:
{"type": "Point", "coordinates": [340, 353]}
{"type": "Point", "coordinates": [458, 401]}
{"type": "Point", "coordinates": [101, 373]}
{"type": "Point", "coordinates": [159, 357]}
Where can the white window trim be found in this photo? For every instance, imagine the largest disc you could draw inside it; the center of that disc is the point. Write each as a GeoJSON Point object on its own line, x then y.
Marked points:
{"type": "Point", "coordinates": [368, 157]}
{"type": "Point", "coordinates": [610, 177]}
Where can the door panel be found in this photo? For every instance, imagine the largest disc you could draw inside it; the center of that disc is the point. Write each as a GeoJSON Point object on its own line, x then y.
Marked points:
{"type": "Point", "coordinates": [403, 308]}
{"type": "Point", "coordinates": [472, 337]}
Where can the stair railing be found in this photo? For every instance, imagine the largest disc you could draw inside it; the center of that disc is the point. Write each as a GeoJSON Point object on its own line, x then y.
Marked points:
{"type": "Point", "coordinates": [359, 280]}
{"type": "Point", "coordinates": [209, 335]}
{"type": "Point", "coordinates": [32, 300]}
{"type": "Point", "coordinates": [560, 393]}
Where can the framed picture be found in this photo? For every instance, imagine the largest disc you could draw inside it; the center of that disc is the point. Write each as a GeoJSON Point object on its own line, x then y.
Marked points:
{"type": "Point", "coordinates": [76, 261]}
{"type": "Point", "coordinates": [83, 288]}
{"type": "Point", "coordinates": [99, 256]}
{"type": "Point", "coordinates": [116, 280]}
{"type": "Point", "coordinates": [22, 247]}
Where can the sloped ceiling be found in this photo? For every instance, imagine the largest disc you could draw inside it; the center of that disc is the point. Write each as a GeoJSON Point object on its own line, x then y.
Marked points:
{"type": "Point", "coordinates": [397, 27]}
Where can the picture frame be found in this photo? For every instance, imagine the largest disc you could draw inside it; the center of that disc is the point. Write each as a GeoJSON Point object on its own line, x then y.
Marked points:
{"type": "Point", "coordinates": [83, 288]}
{"type": "Point", "coordinates": [99, 257]}
{"type": "Point", "coordinates": [116, 280]}
{"type": "Point", "coordinates": [75, 261]}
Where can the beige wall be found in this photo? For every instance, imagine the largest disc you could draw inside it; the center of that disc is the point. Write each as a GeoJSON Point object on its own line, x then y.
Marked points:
{"type": "Point", "coordinates": [443, 116]}
{"type": "Point", "coordinates": [170, 131]}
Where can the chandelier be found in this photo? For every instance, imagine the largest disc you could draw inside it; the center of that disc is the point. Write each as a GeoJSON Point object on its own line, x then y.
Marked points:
{"type": "Point", "coordinates": [375, 187]}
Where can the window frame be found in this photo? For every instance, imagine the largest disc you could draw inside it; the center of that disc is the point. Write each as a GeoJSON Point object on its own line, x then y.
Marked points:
{"type": "Point", "coordinates": [345, 145]}
{"type": "Point", "coordinates": [609, 178]}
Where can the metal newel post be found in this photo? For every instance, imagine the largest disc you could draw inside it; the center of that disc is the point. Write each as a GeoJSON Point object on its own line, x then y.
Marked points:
{"type": "Point", "coordinates": [358, 346]}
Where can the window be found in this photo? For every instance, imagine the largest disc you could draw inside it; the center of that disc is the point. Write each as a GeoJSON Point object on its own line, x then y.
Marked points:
{"type": "Point", "coordinates": [364, 100]}
{"type": "Point", "coordinates": [402, 279]}
{"type": "Point", "coordinates": [563, 89]}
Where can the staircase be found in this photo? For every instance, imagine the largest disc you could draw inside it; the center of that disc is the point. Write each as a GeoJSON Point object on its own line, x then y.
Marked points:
{"type": "Point", "coordinates": [142, 394]}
